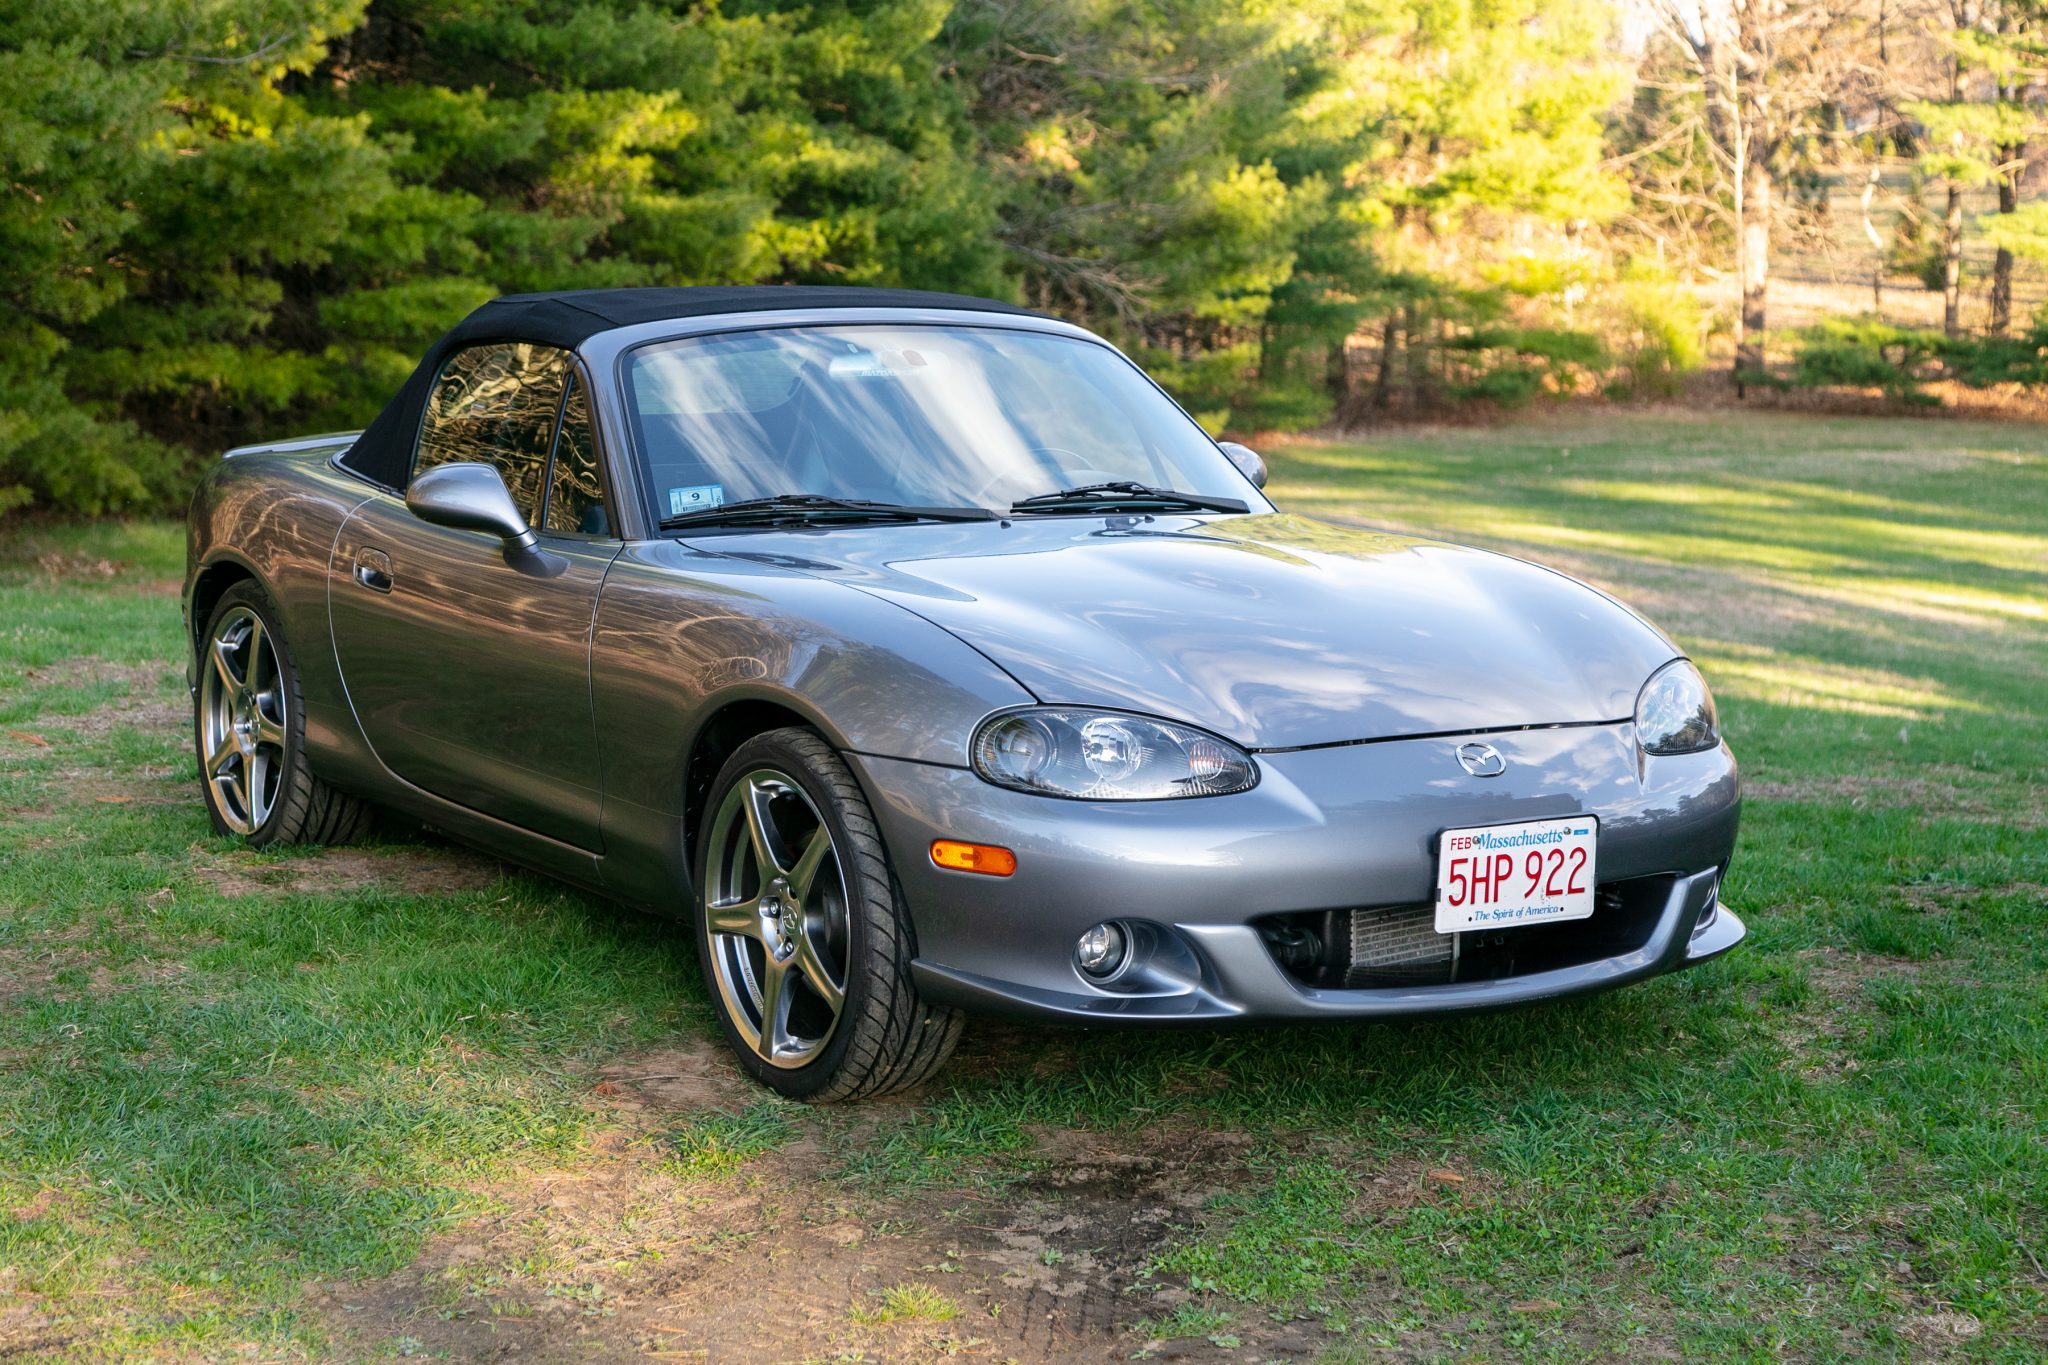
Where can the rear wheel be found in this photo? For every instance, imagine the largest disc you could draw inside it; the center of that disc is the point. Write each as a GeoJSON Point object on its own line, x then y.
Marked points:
{"type": "Point", "coordinates": [250, 731]}
{"type": "Point", "coordinates": [802, 930]}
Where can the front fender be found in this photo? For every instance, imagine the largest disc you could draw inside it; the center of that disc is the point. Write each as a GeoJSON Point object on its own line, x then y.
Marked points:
{"type": "Point", "coordinates": [683, 633]}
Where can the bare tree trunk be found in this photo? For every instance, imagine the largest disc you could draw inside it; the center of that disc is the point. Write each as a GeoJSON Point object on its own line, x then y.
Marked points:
{"type": "Point", "coordinates": [1870, 234]}
{"type": "Point", "coordinates": [1337, 374]}
{"type": "Point", "coordinates": [1756, 272]}
{"type": "Point", "coordinates": [1383, 382]}
{"type": "Point", "coordinates": [2001, 292]}
{"type": "Point", "coordinates": [1411, 385]}
{"type": "Point", "coordinates": [2001, 266]}
{"type": "Point", "coordinates": [1952, 262]}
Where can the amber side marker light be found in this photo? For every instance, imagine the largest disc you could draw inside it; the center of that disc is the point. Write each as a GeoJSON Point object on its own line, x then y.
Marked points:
{"type": "Point", "coordinates": [986, 859]}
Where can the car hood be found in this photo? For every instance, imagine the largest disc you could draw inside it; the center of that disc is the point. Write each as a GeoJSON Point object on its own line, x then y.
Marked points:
{"type": "Point", "coordinates": [1273, 630]}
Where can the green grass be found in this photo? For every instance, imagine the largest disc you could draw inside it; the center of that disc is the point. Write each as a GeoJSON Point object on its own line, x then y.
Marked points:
{"type": "Point", "coordinates": [1188, 1320]}
{"type": "Point", "coordinates": [207, 1100]}
{"type": "Point", "coordinates": [718, 1144]}
{"type": "Point", "coordinates": [908, 1302]}
{"type": "Point", "coordinates": [1812, 1147]}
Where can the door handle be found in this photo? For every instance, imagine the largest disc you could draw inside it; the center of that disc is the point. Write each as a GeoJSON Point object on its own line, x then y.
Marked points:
{"type": "Point", "coordinates": [373, 570]}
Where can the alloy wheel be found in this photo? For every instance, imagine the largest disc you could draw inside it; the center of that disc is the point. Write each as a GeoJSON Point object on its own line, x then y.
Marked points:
{"type": "Point", "coordinates": [242, 720]}
{"type": "Point", "coordinates": [776, 916]}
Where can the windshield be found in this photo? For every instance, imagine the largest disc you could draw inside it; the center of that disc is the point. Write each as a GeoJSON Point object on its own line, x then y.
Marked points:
{"type": "Point", "coordinates": [925, 415]}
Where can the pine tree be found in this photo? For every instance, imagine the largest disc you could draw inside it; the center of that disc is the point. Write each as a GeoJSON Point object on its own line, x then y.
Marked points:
{"type": "Point", "coordinates": [230, 219]}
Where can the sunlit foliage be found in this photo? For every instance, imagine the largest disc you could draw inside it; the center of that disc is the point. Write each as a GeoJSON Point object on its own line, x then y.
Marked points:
{"type": "Point", "coordinates": [226, 219]}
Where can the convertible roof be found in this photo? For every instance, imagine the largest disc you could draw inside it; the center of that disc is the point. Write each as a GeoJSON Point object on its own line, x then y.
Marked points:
{"type": "Point", "coordinates": [567, 318]}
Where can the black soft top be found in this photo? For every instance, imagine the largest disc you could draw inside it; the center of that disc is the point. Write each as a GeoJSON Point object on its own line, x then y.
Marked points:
{"type": "Point", "coordinates": [568, 318]}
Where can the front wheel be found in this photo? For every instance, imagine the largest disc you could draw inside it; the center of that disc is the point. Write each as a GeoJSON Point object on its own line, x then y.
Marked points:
{"type": "Point", "coordinates": [802, 930]}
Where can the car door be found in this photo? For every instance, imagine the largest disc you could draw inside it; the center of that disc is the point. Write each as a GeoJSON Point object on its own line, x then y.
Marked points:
{"type": "Point", "coordinates": [468, 666]}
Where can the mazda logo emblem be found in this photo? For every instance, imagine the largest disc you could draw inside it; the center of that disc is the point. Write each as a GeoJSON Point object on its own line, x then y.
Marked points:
{"type": "Point", "coordinates": [1481, 760]}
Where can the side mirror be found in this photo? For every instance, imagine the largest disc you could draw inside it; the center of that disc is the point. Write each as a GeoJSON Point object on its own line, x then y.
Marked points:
{"type": "Point", "coordinates": [469, 497]}
{"type": "Point", "coordinates": [1248, 462]}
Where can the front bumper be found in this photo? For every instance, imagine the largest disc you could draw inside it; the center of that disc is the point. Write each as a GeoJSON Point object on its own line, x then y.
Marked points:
{"type": "Point", "coordinates": [1326, 829]}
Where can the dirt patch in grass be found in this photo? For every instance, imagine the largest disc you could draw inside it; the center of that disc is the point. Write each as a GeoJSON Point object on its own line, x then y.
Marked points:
{"type": "Point", "coordinates": [1937, 791]}
{"type": "Point", "coordinates": [26, 975]}
{"type": "Point", "coordinates": [436, 871]}
{"type": "Point", "coordinates": [1840, 978]}
{"type": "Point", "coordinates": [61, 565]}
{"type": "Point", "coordinates": [52, 966]}
{"type": "Point", "coordinates": [31, 963]}
{"type": "Point", "coordinates": [98, 790]}
{"type": "Point", "coordinates": [1940, 897]}
{"type": "Point", "coordinates": [144, 701]}
{"type": "Point", "coordinates": [26, 1331]}
{"type": "Point", "coordinates": [1813, 1037]}
{"type": "Point", "coordinates": [1940, 1334]}
{"type": "Point", "coordinates": [633, 1252]}
{"type": "Point", "coordinates": [1398, 1184]}
{"type": "Point", "coordinates": [691, 1074]}
{"type": "Point", "coordinates": [72, 566]}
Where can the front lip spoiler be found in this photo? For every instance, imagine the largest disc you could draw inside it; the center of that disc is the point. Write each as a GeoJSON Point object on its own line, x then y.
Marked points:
{"type": "Point", "coordinates": [1240, 982]}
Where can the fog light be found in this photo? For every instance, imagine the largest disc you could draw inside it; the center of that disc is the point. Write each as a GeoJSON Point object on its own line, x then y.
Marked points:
{"type": "Point", "coordinates": [1101, 950]}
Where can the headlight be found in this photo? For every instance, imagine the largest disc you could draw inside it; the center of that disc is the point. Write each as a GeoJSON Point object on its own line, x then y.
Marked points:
{"type": "Point", "coordinates": [1675, 712]}
{"type": "Point", "coordinates": [1106, 756]}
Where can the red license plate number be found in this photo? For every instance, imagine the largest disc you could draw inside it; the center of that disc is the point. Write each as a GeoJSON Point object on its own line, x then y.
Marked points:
{"type": "Point", "coordinates": [1502, 876]}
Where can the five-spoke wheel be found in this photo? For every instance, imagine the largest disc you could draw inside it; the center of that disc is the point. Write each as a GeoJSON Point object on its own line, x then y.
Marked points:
{"type": "Point", "coordinates": [241, 719]}
{"type": "Point", "coordinates": [249, 731]}
{"type": "Point", "coordinates": [776, 912]}
{"type": "Point", "coordinates": [805, 940]}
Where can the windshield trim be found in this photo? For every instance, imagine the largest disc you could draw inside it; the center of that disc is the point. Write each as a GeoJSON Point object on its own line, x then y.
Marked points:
{"type": "Point", "coordinates": [627, 342]}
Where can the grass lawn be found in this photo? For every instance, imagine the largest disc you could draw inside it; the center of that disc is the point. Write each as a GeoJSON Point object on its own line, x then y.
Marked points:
{"type": "Point", "coordinates": [401, 1101]}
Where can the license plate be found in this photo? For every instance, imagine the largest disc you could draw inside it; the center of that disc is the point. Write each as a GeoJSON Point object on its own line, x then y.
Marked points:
{"type": "Point", "coordinates": [1500, 876]}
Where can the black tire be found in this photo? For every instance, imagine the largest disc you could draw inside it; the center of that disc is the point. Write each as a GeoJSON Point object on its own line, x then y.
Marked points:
{"type": "Point", "coordinates": [297, 807]}
{"type": "Point", "coordinates": [886, 1037]}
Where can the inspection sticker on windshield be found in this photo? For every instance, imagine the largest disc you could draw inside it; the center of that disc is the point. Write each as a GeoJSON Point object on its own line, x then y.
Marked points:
{"type": "Point", "coordinates": [695, 496]}
{"type": "Point", "coordinates": [1503, 876]}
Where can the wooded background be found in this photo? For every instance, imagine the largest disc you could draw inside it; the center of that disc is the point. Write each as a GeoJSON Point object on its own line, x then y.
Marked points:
{"type": "Point", "coordinates": [223, 219]}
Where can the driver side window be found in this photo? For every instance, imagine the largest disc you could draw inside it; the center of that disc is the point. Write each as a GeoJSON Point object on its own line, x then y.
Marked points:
{"type": "Point", "coordinates": [495, 404]}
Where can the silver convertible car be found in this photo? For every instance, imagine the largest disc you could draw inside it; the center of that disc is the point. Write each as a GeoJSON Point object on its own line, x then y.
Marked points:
{"type": "Point", "coordinates": [921, 655]}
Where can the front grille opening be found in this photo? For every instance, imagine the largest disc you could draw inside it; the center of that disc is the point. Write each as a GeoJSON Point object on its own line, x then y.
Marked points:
{"type": "Point", "coordinates": [1398, 945]}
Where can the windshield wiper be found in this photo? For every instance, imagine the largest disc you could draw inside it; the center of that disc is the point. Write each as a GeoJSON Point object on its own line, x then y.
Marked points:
{"type": "Point", "coordinates": [800, 507]}
{"type": "Point", "coordinates": [1123, 493]}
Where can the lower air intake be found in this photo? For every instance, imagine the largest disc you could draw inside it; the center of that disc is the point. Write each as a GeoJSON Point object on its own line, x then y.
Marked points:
{"type": "Point", "coordinates": [1398, 945]}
